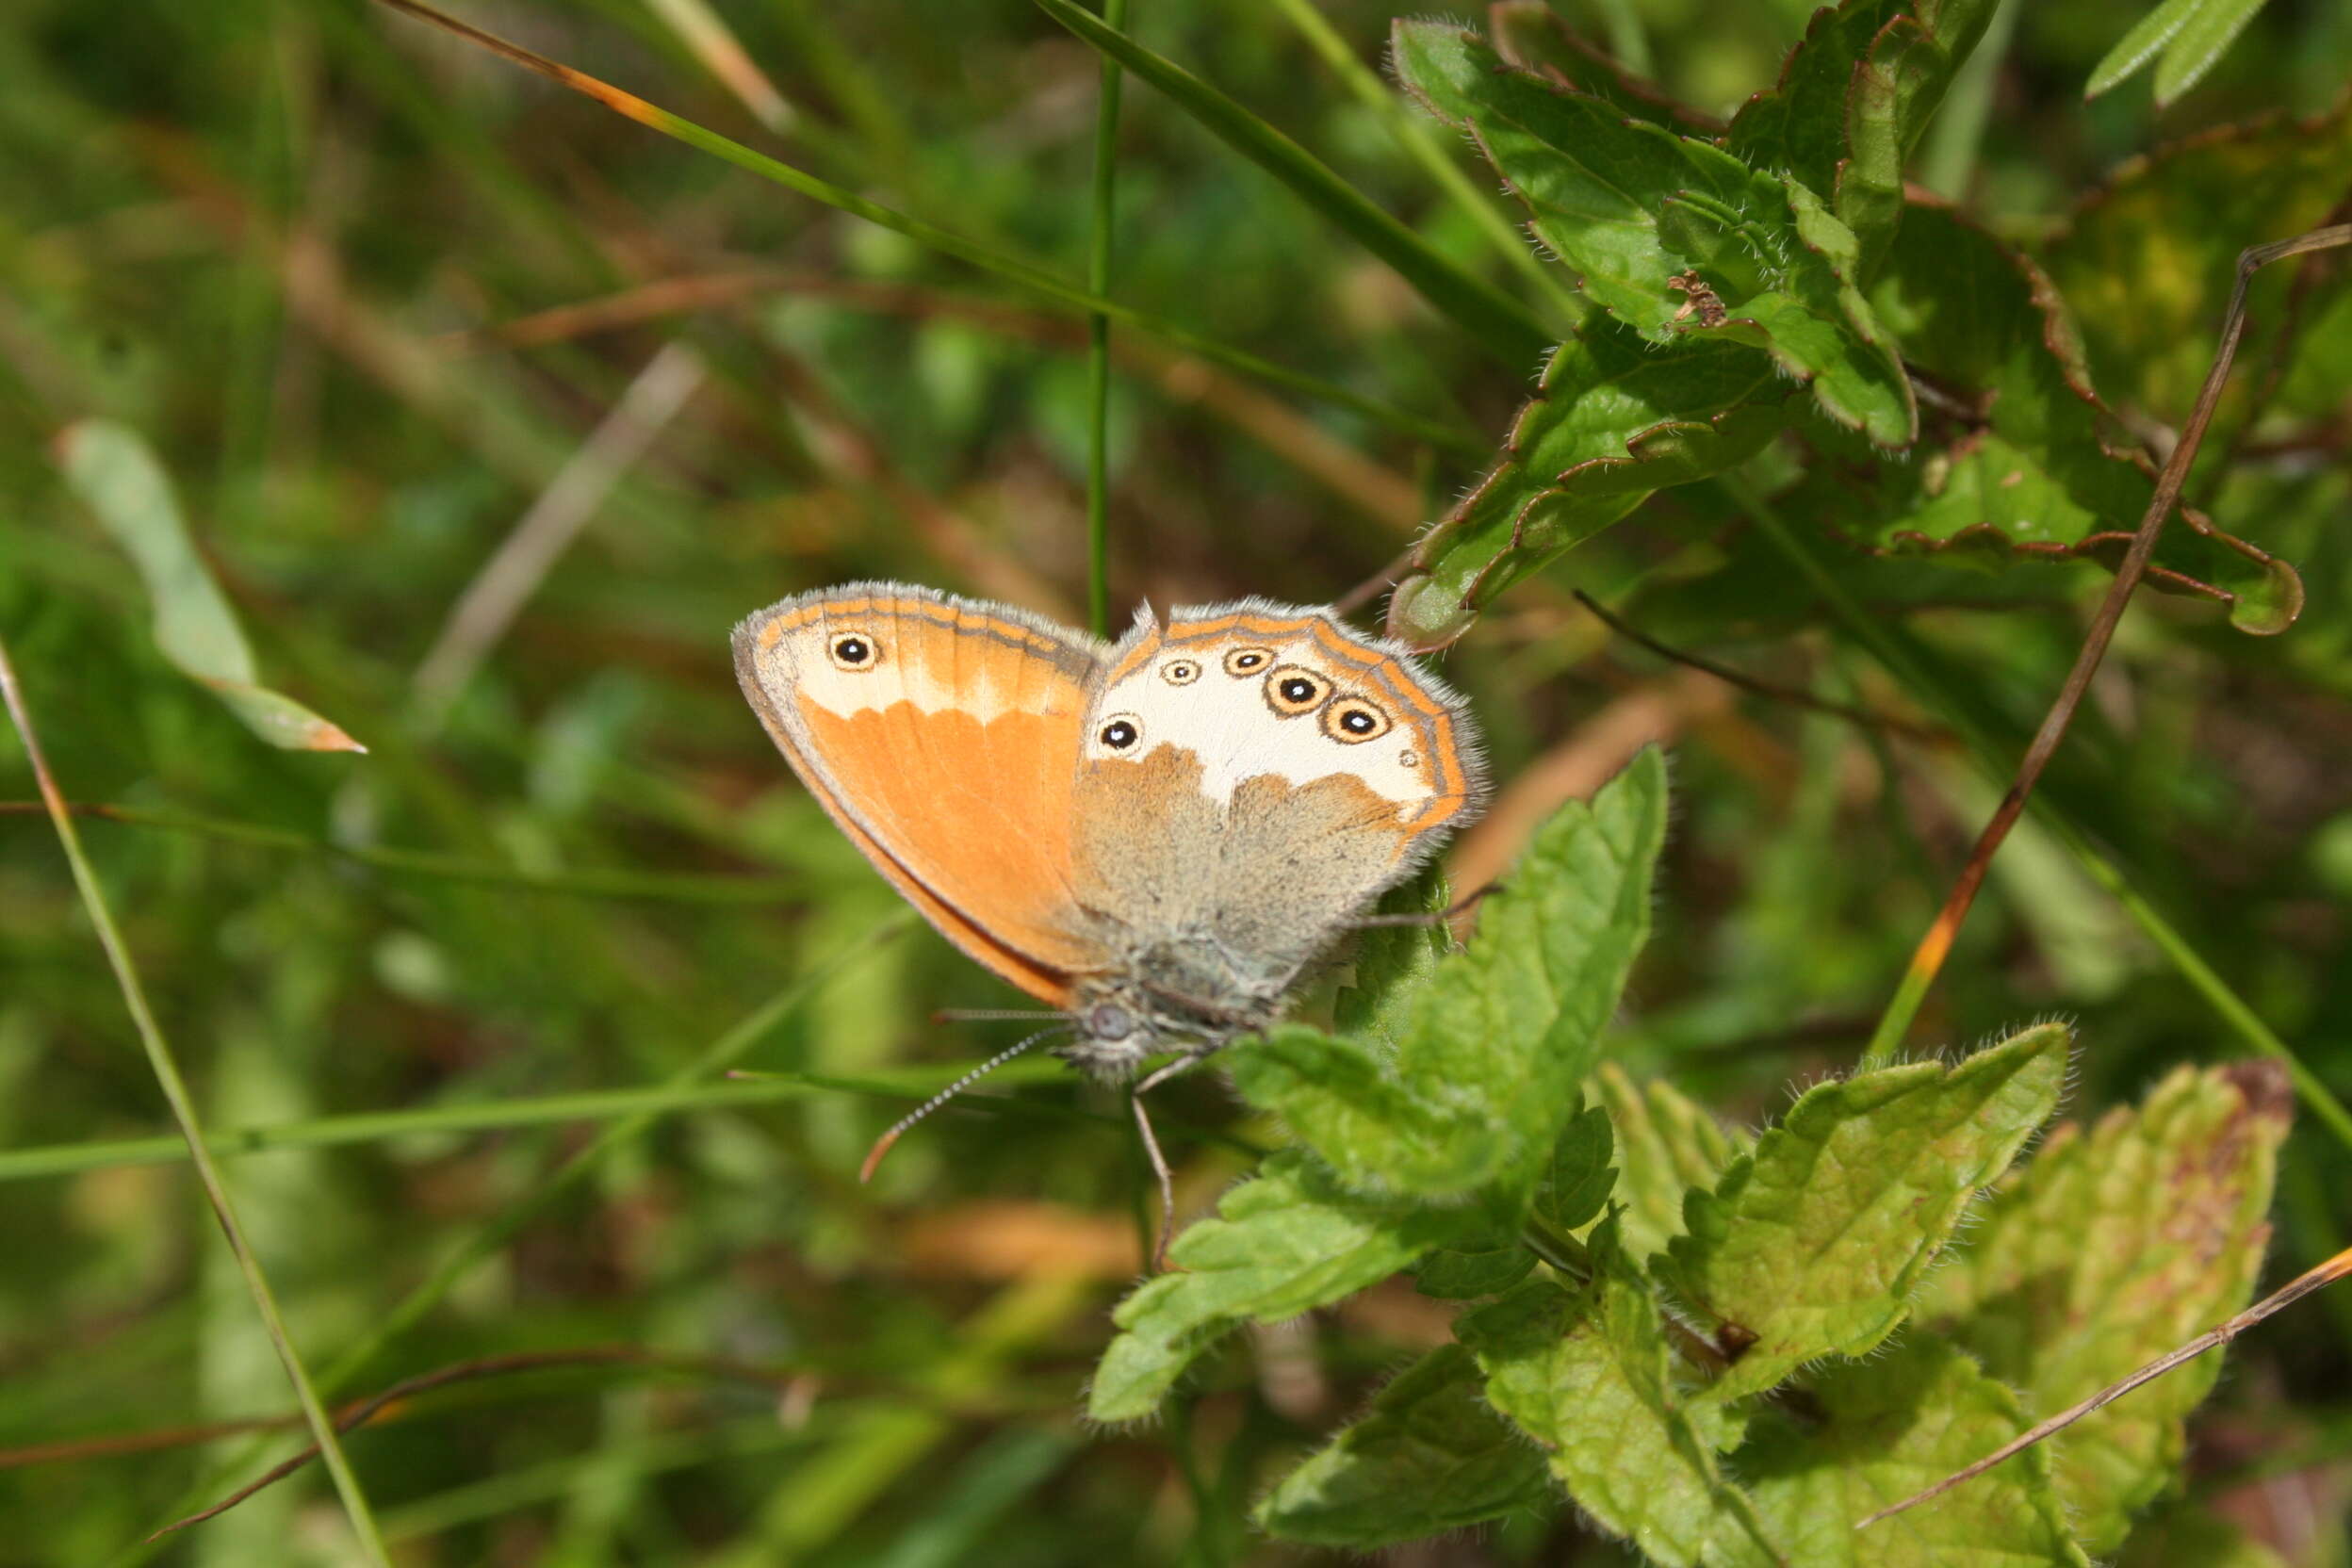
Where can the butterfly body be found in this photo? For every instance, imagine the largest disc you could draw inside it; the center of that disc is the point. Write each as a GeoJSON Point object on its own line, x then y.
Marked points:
{"type": "Point", "coordinates": [1154, 836]}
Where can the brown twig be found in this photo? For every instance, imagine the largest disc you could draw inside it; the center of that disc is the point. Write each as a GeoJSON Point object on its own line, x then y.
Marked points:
{"type": "Point", "coordinates": [1848, 712]}
{"type": "Point", "coordinates": [2333, 1269]}
{"type": "Point", "coordinates": [359, 1412]}
{"type": "Point", "coordinates": [1928, 958]}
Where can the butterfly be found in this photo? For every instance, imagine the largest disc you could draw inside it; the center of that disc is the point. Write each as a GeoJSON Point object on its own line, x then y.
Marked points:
{"type": "Point", "coordinates": [1154, 836]}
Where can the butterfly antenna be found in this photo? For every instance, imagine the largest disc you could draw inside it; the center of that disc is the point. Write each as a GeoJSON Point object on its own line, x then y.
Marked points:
{"type": "Point", "coordinates": [997, 1015]}
{"type": "Point", "coordinates": [882, 1144]}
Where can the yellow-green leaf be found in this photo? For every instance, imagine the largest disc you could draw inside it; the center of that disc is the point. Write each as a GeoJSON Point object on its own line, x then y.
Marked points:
{"type": "Point", "coordinates": [1587, 1373]}
{"type": "Point", "coordinates": [2113, 1245]}
{"type": "Point", "coordinates": [1877, 1432]}
{"type": "Point", "coordinates": [1813, 1245]}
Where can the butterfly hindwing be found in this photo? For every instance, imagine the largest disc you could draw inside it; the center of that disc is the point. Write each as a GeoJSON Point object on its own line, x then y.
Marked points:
{"type": "Point", "coordinates": [1291, 770]}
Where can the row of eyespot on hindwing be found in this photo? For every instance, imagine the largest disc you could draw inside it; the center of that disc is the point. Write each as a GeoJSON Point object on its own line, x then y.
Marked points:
{"type": "Point", "coordinates": [1292, 690]}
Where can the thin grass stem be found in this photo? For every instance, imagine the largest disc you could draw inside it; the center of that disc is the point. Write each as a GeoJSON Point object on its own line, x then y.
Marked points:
{"type": "Point", "coordinates": [165, 1065]}
{"type": "Point", "coordinates": [1099, 333]}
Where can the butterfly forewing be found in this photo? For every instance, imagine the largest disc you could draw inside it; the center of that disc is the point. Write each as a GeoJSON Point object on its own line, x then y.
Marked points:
{"type": "Point", "coordinates": [944, 736]}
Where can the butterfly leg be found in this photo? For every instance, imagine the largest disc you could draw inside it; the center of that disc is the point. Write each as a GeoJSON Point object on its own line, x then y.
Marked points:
{"type": "Point", "coordinates": [1159, 1161]}
{"type": "Point", "coordinates": [1437, 917]}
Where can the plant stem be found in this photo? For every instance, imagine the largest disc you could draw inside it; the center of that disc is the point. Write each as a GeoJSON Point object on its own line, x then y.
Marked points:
{"type": "Point", "coordinates": [1099, 334]}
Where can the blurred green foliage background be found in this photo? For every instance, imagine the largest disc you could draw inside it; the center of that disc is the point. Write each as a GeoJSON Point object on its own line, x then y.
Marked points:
{"type": "Point", "coordinates": [378, 299]}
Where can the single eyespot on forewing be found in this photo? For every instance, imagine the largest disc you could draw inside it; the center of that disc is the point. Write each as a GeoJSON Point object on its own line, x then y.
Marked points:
{"type": "Point", "coordinates": [943, 735]}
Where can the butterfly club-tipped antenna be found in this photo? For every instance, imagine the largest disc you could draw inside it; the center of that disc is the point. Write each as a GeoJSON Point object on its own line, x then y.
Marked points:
{"type": "Point", "coordinates": [882, 1144]}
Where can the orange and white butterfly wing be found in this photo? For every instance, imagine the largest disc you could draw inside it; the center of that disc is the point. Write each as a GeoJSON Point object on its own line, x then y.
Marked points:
{"type": "Point", "coordinates": [944, 736]}
{"type": "Point", "coordinates": [1290, 771]}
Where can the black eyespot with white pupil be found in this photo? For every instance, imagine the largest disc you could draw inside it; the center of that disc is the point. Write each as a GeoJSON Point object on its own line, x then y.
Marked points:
{"type": "Point", "coordinates": [1180, 672]}
{"type": "Point", "coordinates": [1352, 720]}
{"type": "Point", "coordinates": [1245, 661]}
{"type": "Point", "coordinates": [1294, 690]}
{"type": "Point", "coordinates": [1120, 734]}
{"type": "Point", "coordinates": [852, 650]}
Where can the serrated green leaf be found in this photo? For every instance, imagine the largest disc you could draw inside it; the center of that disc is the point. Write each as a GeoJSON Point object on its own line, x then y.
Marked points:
{"type": "Point", "coordinates": [1504, 326]}
{"type": "Point", "coordinates": [1666, 1144]}
{"type": "Point", "coordinates": [1614, 419]}
{"type": "Point", "coordinates": [2031, 477]}
{"type": "Point", "coordinates": [1852, 101]}
{"type": "Point", "coordinates": [1530, 36]}
{"type": "Point", "coordinates": [1392, 961]}
{"type": "Point", "coordinates": [1632, 207]}
{"type": "Point", "coordinates": [117, 476]}
{"type": "Point", "coordinates": [1488, 1053]}
{"type": "Point", "coordinates": [1814, 1244]}
{"type": "Point", "coordinates": [2199, 45]}
{"type": "Point", "coordinates": [1430, 1456]}
{"type": "Point", "coordinates": [1288, 1240]}
{"type": "Point", "coordinates": [2139, 44]}
{"type": "Point", "coordinates": [2109, 1248]}
{"type": "Point", "coordinates": [1883, 1429]}
{"type": "Point", "coordinates": [2147, 262]}
{"type": "Point", "coordinates": [1452, 1275]}
{"type": "Point", "coordinates": [1587, 1373]}
{"type": "Point", "coordinates": [1576, 1189]}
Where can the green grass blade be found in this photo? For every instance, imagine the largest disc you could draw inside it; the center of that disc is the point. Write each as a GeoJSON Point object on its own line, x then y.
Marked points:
{"type": "Point", "coordinates": [671, 887]}
{"type": "Point", "coordinates": [933, 238]}
{"type": "Point", "coordinates": [117, 476]}
{"type": "Point", "coordinates": [2139, 45]}
{"type": "Point", "coordinates": [167, 1071]}
{"type": "Point", "coordinates": [484, 1243]}
{"type": "Point", "coordinates": [336, 1132]}
{"type": "Point", "coordinates": [1099, 335]}
{"type": "Point", "coordinates": [1507, 329]}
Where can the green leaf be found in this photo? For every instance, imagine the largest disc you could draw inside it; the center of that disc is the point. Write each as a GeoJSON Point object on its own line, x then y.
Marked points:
{"type": "Point", "coordinates": [1505, 328]}
{"type": "Point", "coordinates": [2027, 474]}
{"type": "Point", "coordinates": [2147, 263]}
{"type": "Point", "coordinates": [2140, 45]}
{"type": "Point", "coordinates": [1452, 1275]}
{"type": "Point", "coordinates": [1851, 102]}
{"type": "Point", "coordinates": [2113, 1247]}
{"type": "Point", "coordinates": [1614, 419]}
{"type": "Point", "coordinates": [117, 476]}
{"type": "Point", "coordinates": [2185, 37]}
{"type": "Point", "coordinates": [1286, 1241]}
{"type": "Point", "coordinates": [1879, 1430]}
{"type": "Point", "coordinates": [2199, 45]}
{"type": "Point", "coordinates": [1487, 1055]}
{"type": "Point", "coordinates": [1431, 1455]}
{"type": "Point", "coordinates": [1530, 36]}
{"type": "Point", "coordinates": [1813, 1245]}
{"type": "Point", "coordinates": [1587, 1373]}
{"type": "Point", "coordinates": [1639, 212]}
{"type": "Point", "coordinates": [1393, 961]}
{"type": "Point", "coordinates": [1666, 1144]}
{"type": "Point", "coordinates": [2197, 1535]}
{"type": "Point", "coordinates": [1576, 1189]}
